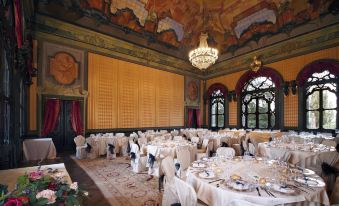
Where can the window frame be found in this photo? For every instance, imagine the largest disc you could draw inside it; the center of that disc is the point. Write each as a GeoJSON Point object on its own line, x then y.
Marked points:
{"type": "Point", "coordinates": [274, 90]}
{"type": "Point", "coordinates": [320, 109]}
{"type": "Point", "coordinates": [211, 98]}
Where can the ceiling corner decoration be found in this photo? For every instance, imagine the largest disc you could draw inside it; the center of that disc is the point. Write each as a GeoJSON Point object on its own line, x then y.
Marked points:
{"type": "Point", "coordinates": [173, 27]}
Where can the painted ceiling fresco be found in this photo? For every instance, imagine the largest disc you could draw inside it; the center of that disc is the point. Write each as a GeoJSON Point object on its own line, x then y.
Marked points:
{"type": "Point", "coordinates": [177, 24]}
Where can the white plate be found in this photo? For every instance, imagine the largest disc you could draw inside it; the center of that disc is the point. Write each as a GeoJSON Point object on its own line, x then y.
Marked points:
{"type": "Point", "coordinates": [198, 165]}
{"type": "Point", "coordinates": [207, 175]}
{"type": "Point", "coordinates": [279, 188]}
{"type": "Point", "coordinates": [238, 185]}
{"type": "Point", "coordinates": [308, 172]}
{"type": "Point", "coordinates": [312, 182]}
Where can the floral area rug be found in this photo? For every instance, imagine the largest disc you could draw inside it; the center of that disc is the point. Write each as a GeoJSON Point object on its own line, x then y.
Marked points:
{"type": "Point", "coordinates": [119, 184]}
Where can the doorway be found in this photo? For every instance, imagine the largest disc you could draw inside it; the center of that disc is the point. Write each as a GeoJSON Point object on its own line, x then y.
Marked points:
{"type": "Point", "coordinates": [63, 133]}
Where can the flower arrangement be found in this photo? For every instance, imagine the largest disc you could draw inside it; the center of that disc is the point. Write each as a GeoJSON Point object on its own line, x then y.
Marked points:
{"type": "Point", "coordinates": [40, 187]}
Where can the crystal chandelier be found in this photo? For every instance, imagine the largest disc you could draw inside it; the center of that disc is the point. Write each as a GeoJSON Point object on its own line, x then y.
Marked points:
{"type": "Point", "coordinates": [203, 56]}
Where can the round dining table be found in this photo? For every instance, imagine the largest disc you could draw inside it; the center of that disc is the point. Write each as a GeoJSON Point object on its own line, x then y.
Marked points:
{"type": "Point", "coordinates": [219, 181]}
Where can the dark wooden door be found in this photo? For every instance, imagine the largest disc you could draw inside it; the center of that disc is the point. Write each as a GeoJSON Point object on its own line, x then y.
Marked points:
{"type": "Point", "coordinates": [63, 133]}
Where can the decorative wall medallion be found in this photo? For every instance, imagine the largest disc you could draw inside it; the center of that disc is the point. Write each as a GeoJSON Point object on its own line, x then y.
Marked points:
{"type": "Point", "coordinates": [64, 68]}
{"type": "Point", "coordinates": [192, 91]}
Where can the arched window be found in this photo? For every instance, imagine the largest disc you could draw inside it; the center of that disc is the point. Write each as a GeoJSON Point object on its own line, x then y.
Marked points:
{"type": "Point", "coordinates": [320, 89]}
{"type": "Point", "coordinates": [217, 105]}
{"type": "Point", "coordinates": [258, 100]}
{"type": "Point", "coordinates": [259, 94]}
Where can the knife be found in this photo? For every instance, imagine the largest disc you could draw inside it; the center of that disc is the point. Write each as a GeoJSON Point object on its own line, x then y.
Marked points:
{"type": "Point", "coordinates": [214, 181]}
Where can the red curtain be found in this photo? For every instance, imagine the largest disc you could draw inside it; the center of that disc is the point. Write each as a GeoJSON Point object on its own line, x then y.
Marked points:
{"type": "Point", "coordinates": [189, 117]}
{"type": "Point", "coordinates": [76, 121]}
{"type": "Point", "coordinates": [18, 22]}
{"type": "Point", "coordinates": [197, 112]}
{"type": "Point", "coordinates": [52, 109]}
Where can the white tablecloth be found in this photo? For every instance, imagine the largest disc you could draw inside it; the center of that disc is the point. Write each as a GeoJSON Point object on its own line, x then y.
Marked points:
{"type": "Point", "coordinates": [37, 149]}
{"type": "Point", "coordinates": [9, 177]}
{"type": "Point", "coordinates": [247, 169]}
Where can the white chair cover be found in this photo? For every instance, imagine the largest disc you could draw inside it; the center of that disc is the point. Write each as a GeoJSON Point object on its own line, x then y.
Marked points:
{"type": "Point", "coordinates": [226, 151]}
{"type": "Point", "coordinates": [154, 171]}
{"type": "Point", "coordinates": [177, 138]}
{"type": "Point", "coordinates": [94, 153]}
{"type": "Point", "coordinates": [139, 163]}
{"type": "Point", "coordinates": [113, 142]}
{"type": "Point", "coordinates": [80, 142]}
{"type": "Point", "coordinates": [167, 167]}
{"type": "Point", "coordinates": [184, 158]}
{"type": "Point", "coordinates": [244, 144]}
{"type": "Point", "coordinates": [120, 134]}
{"type": "Point", "coordinates": [186, 193]}
{"type": "Point", "coordinates": [195, 140]}
{"type": "Point", "coordinates": [124, 146]}
{"type": "Point", "coordinates": [251, 149]}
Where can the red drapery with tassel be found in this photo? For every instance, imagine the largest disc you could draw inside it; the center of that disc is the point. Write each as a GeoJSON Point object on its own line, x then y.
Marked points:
{"type": "Point", "coordinates": [189, 117]}
{"type": "Point", "coordinates": [197, 112]}
{"type": "Point", "coordinates": [18, 22]}
{"type": "Point", "coordinates": [76, 121]}
{"type": "Point", "coordinates": [52, 110]}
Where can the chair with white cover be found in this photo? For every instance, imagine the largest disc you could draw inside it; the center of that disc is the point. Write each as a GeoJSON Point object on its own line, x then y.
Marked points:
{"type": "Point", "coordinates": [252, 149]}
{"type": "Point", "coordinates": [184, 159]}
{"type": "Point", "coordinates": [186, 193]}
{"type": "Point", "coordinates": [153, 162]}
{"type": "Point", "coordinates": [80, 142]}
{"type": "Point", "coordinates": [138, 161]}
{"type": "Point", "coordinates": [244, 145]}
{"type": "Point", "coordinates": [170, 195]}
{"type": "Point", "coordinates": [111, 148]}
{"type": "Point", "coordinates": [195, 140]}
{"type": "Point", "coordinates": [92, 148]}
{"type": "Point", "coordinates": [124, 146]}
{"type": "Point", "coordinates": [329, 143]}
{"type": "Point", "coordinates": [206, 147]}
{"type": "Point", "coordinates": [175, 133]}
{"type": "Point", "coordinates": [142, 141]}
{"type": "Point", "coordinates": [177, 138]}
{"type": "Point", "coordinates": [120, 134]}
{"type": "Point", "coordinates": [226, 152]}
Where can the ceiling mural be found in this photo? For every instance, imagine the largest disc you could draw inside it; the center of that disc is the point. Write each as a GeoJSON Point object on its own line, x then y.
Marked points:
{"type": "Point", "coordinates": [177, 24]}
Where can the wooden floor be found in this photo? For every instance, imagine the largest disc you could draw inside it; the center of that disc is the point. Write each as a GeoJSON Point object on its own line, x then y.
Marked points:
{"type": "Point", "coordinates": [78, 175]}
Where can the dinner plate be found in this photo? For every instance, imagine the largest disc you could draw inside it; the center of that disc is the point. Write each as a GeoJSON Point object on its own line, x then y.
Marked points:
{"type": "Point", "coordinates": [282, 189]}
{"type": "Point", "coordinates": [309, 181]}
{"type": "Point", "coordinates": [238, 185]}
{"type": "Point", "coordinates": [308, 172]}
{"type": "Point", "coordinates": [207, 175]}
{"type": "Point", "coordinates": [198, 165]}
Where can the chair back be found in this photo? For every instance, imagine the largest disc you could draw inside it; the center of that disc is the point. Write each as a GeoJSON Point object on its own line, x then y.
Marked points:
{"type": "Point", "coordinates": [177, 138]}
{"type": "Point", "coordinates": [184, 157]}
{"type": "Point", "coordinates": [195, 140]}
{"type": "Point", "coordinates": [186, 193]}
{"type": "Point", "coordinates": [120, 134]}
{"type": "Point", "coordinates": [79, 140]}
{"type": "Point", "coordinates": [167, 166]}
{"type": "Point", "coordinates": [251, 149]}
{"type": "Point", "coordinates": [226, 151]}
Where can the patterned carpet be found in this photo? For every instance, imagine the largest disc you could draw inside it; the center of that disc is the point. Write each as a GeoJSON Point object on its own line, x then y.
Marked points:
{"type": "Point", "coordinates": [119, 184]}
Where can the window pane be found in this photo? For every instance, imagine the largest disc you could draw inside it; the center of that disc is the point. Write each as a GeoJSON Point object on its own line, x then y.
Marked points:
{"type": "Point", "coordinates": [312, 101]}
{"type": "Point", "coordinates": [213, 120]}
{"type": "Point", "coordinates": [272, 120]}
{"type": "Point", "coordinates": [263, 106]}
{"type": "Point", "coordinates": [251, 106]}
{"type": "Point", "coordinates": [221, 109]}
{"type": "Point", "coordinates": [214, 108]}
{"type": "Point", "coordinates": [312, 120]}
{"type": "Point", "coordinates": [251, 121]}
{"type": "Point", "coordinates": [263, 120]}
{"type": "Point", "coordinates": [329, 100]}
{"type": "Point", "coordinates": [220, 120]}
{"type": "Point", "coordinates": [329, 119]}
{"type": "Point", "coordinates": [273, 106]}
{"type": "Point", "coordinates": [243, 107]}
{"type": "Point", "coordinates": [243, 120]}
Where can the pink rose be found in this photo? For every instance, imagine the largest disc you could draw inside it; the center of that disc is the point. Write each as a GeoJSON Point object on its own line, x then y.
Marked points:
{"type": "Point", "coordinates": [48, 194]}
{"type": "Point", "coordinates": [35, 175]}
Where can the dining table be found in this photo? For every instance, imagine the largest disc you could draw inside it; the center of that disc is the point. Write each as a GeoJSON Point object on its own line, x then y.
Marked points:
{"type": "Point", "coordinates": [38, 149]}
{"type": "Point", "coordinates": [219, 181]}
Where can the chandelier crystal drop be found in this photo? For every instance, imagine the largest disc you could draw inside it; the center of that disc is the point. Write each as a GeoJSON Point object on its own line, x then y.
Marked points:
{"type": "Point", "coordinates": [203, 56]}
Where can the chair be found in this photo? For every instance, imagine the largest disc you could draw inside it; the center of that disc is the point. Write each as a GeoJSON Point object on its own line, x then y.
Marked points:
{"type": "Point", "coordinates": [92, 148]}
{"type": "Point", "coordinates": [251, 149]}
{"type": "Point", "coordinates": [186, 193]}
{"type": "Point", "coordinates": [80, 142]}
{"type": "Point", "coordinates": [177, 138]}
{"type": "Point", "coordinates": [111, 148]}
{"type": "Point", "coordinates": [138, 161]}
{"type": "Point", "coordinates": [208, 151]}
{"type": "Point", "coordinates": [124, 146]}
{"type": "Point", "coordinates": [142, 141]}
{"type": "Point", "coordinates": [153, 162]}
{"type": "Point", "coordinates": [170, 195]}
{"type": "Point", "coordinates": [195, 140]}
{"type": "Point", "coordinates": [226, 151]}
{"type": "Point", "coordinates": [329, 143]}
{"type": "Point", "coordinates": [245, 145]}
{"type": "Point", "coordinates": [120, 134]}
{"type": "Point", "coordinates": [184, 159]}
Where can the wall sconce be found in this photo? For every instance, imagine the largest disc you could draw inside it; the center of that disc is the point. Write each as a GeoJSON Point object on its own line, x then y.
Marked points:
{"type": "Point", "coordinates": [294, 87]}
{"type": "Point", "coordinates": [232, 96]}
{"type": "Point", "coordinates": [285, 88]}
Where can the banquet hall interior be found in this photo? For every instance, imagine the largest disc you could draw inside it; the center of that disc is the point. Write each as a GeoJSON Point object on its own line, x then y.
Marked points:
{"type": "Point", "coordinates": [169, 102]}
